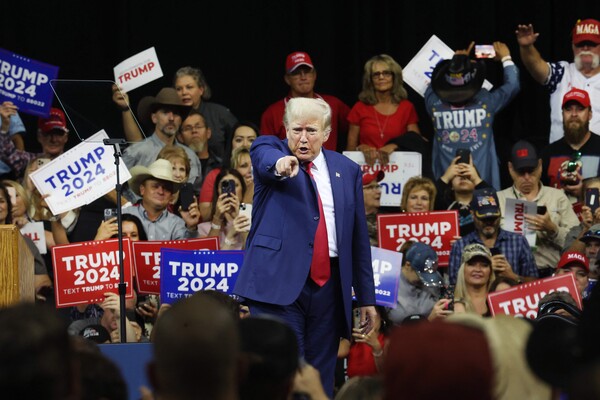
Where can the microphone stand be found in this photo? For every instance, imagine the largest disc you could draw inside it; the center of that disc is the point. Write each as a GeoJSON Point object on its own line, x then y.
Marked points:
{"type": "Point", "coordinates": [116, 143]}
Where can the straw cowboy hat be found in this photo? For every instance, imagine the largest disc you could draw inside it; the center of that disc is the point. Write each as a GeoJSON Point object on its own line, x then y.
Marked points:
{"type": "Point", "coordinates": [166, 97]}
{"type": "Point", "coordinates": [159, 169]}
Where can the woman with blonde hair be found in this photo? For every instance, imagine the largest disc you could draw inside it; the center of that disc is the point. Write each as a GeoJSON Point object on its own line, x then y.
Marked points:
{"type": "Point", "coordinates": [475, 277]}
{"type": "Point", "coordinates": [418, 195]}
{"type": "Point", "coordinates": [382, 113]}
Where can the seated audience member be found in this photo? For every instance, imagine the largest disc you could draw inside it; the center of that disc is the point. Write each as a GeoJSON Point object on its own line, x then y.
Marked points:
{"type": "Point", "coordinates": [502, 283]}
{"type": "Point", "coordinates": [372, 197]}
{"type": "Point", "coordinates": [382, 112]}
{"type": "Point", "coordinates": [577, 264]}
{"type": "Point", "coordinates": [36, 357]}
{"type": "Point", "coordinates": [227, 222]}
{"type": "Point", "coordinates": [552, 225]}
{"type": "Point", "coordinates": [15, 129]}
{"type": "Point", "coordinates": [52, 135]}
{"type": "Point", "coordinates": [244, 135]}
{"type": "Point", "coordinates": [418, 195]}
{"type": "Point", "coordinates": [300, 76]}
{"type": "Point", "coordinates": [587, 217]}
{"type": "Point", "coordinates": [419, 290]}
{"type": "Point", "coordinates": [515, 258]}
{"type": "Point", "coordinates": [365, 351]}
{"type": "Point", "coordinates": [155, 184]}
{"type": "Point", "coordinates": [486, 360]}
{"type": "Point", "coordinates": [475, 276]}
{"type": "Point", "coordinates": [271, 351]}
{"type": "Point", "coordinates": [361, 388]}
{"type": "Point", "coordinates": [196, 351]}
{"type": "Point", "coordinates": [195, 133]}
{"type": "Point", "coordinates": [575, 156]}
{"type": "Point", "coordinates": [41, 279]}
{"type": "Point", "coordinates": [455, 191]}
{"type": "Point", "coordinates": [591, 242]}
{"type": "Point", "coordinates": [463, 112]}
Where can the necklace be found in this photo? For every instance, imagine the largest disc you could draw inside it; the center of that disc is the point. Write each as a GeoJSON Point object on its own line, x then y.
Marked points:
{"type": "Point", "coordinates": [381, 130]}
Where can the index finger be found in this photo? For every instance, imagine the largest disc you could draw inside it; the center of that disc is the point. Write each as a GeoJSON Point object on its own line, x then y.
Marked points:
{"type": "Point", "coordinates": [470, 47]}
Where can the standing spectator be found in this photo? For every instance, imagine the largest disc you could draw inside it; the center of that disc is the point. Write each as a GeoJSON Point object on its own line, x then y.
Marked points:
{"type": "Point", "coordinates": [308, 244]}
{"type": "Point", "coordinates": [560, 77]}
{"type": "Point", "coordinates": [383, 111]}
{"type": "Point", "coordinates": [13, 126]}
{"type": "Point", "coordinates": [552, 226]}
{"type": "Point", "coordinates": [515, 258]}
{"type": "Point", "coordinates": [372, 198]}
{"type": "Point", "coordinates": [463, 112]}
{"type": "Point", "coordinates": [300, 76]}
{"type": "Point", "coordinates": [575, 156]}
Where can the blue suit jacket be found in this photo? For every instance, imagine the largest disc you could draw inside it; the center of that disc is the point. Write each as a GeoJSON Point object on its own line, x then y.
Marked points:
{"type": "Point", "coordinates": [279, 247]}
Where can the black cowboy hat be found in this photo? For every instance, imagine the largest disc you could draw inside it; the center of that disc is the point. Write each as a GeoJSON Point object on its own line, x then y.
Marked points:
{"type": "Point", "coordinates": [458, 79]}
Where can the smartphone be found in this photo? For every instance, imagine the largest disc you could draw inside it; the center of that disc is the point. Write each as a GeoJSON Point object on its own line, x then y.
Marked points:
{"type": "Point", "coordinates": [464, 155]}
{"type": "Point", "coordinates": [42, 161]}
{"type": "Point", "coordinates": [356, 318]}
{"type": "Point", "coordinates": [591, 198]}
{"type": "Point", "coordinates": [109, 213]}
{"type": "Point", "coordinates": [495, 251]}
{"type": "Point", "coordinates": [485, 51]}
{"type": "Point", "coordinates": [541, 210]}
{"type": "Point", "coordinates": [228, 186]}
{"type": "Point", "coordinates": [186, 196]}
{"type": "Point", "coordinates": [246, 209]}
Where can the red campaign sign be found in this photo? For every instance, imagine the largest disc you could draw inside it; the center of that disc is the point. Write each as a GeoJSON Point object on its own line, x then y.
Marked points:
{"type": "Point", "coordinates": [146, 258]}
{"type": "Point", "coordinates": [84, 271]}
{"type": "Point", "coordinates": [436, 228]}
{"type": "Point", "coordinates": [522, 300]}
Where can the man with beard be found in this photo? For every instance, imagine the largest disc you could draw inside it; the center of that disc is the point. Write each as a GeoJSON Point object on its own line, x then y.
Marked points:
{"type": "Point", "coordinates": [552, 225]}
{"type": "Point", "coordinates": [166, 112]}
{"type": "Point", "coordinates": [561, 76]}
{"type": "Point", "coordinates": [195, 134]}
{"type": "Point", "coordinates": [512, 256]}
{"type": "Point", "coordinates": [577, 155]}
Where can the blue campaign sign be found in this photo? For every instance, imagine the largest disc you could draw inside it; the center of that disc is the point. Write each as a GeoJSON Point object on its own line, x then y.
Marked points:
{"type": "Point", "coordinates": [184, 272]}
{"type": "Point", "coordinates": [26, 83]}
{"type": "Point", "coordinates": [386, 273]}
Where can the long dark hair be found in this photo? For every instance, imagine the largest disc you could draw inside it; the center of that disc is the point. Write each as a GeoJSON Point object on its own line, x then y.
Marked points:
{"type": "Point", "coordinates": [229, 144]}
{"type": "Point", "coordinates": [226, 171]}
{"type": "Point", "coordinates": [132, 218]}
{"type": "Point", "coordinates": [8, 219]}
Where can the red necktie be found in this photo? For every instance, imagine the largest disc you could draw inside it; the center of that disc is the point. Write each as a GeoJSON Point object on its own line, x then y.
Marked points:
{"type": "Point", "coordinates": [320, 270]}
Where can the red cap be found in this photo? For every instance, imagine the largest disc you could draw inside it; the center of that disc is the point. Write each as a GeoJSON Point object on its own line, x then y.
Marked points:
{"type": "Point", "coordinates": [368, 178]}
{"type": "Point", "coordinates": [297, 59]}
{"type": "Point", "coordinates": [56, 120]}
{"type": "Point", "coordinates": [587, 30]}
{"type": "Point", "coordinates": [577, 95]}
{"type": "Point", "coordinates": [574, 257]}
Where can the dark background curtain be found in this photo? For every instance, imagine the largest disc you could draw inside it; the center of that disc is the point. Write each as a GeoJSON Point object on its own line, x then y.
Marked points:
{"type": "Point", "coordinates": [241, 45]}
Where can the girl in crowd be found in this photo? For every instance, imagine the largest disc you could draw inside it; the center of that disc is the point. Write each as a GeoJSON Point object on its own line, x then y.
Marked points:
{"type": "Point", "coordinates": [243, 135]}
{"type": "Point", "coordinates": [418, 195]}
{"type": "Point", "coordinates": [227, 222]}
{"type": "Point", "coordinates": [382, 113]}
{"type": "Point", "coordinates": [475, 277]}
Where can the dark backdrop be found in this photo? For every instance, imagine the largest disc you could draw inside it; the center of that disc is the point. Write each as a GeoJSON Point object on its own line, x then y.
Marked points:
{"type": "Point", "coordinates": [241, 45]}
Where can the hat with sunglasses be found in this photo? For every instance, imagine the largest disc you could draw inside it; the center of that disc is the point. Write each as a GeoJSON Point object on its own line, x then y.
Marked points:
{"type": "Point", "coordinates": [374, 176]}
{"type": "Point", "coordinates": [523, 156]}
{"type": "Point", "coordinates": [55, 121]}
{"type": "Point", "coordinates": [576, 258]}
{"type": "Point", "coordinates": [457, 80]}
{"type": "Point", "coordinates": [423, 259]}
{"type": "Point", "coordinates": [485, 203]}
{"type": "Point", "coordinates": [296, 59]}
{"type": "Point", "coordinates": [592, 234]}
{"type": "Point", "coordinates": [587, 30]}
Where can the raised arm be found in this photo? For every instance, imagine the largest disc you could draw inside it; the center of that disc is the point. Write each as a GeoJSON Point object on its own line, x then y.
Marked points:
{"type": "Point", "coordinates": [533, 61]}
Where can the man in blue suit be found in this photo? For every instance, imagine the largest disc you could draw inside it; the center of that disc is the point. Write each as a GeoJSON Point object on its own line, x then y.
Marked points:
{"type": "Point", "coordinates": [289, 201]}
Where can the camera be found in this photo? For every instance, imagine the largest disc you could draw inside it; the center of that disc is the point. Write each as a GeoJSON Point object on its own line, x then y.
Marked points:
{"type": "Point", "coordinates": [228, 186]}
{"type": "Point", "coordinates": [485, 51]}
{"type": "Point", "coordinates": [109, 213]}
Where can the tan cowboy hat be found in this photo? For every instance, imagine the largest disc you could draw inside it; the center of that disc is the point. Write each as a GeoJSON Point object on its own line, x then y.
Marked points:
{"type": "Point", "coordinates": [159, 169]}
{"type": "Point", "coordinates": [166, 97]}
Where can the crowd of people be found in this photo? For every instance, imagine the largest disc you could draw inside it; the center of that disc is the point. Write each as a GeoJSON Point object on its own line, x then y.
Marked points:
{"type": "Point", "coordinates": [303, 317]}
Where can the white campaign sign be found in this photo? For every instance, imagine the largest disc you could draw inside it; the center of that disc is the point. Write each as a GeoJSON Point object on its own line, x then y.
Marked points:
{"type": "Point", "coordinates": [35, 232]}
{"type": "Point", "coordinates": [417, 73]}
{"type": "Point", "coordinates": [138, 70]}
{"type": "Point", "coordinates": [402, 165]}
{"type": "Point", "coordinates": [514, 218]}
{"type": "Point", "coordinates": [79, 176]}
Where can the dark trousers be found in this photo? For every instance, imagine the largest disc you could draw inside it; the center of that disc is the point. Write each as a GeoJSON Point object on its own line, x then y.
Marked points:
{"type": "Point", "coordinates": [317, 317]}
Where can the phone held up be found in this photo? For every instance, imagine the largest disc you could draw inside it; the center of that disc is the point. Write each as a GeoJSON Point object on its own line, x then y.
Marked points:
{"type": "Point", "coordinates": [109, 213]}
{"type": "Point", "coordinates": [464, 155]}
{"type": "Point", "coordinates": [541, 210]}
{"type": "Point", "coordinates": [591, 198]}
{"type": "Point", "coordinates": [186, 195]}
{"type": "Point", "coordinates": [228, 186]}
{"type": "Point", "coordinates": [485, 51]}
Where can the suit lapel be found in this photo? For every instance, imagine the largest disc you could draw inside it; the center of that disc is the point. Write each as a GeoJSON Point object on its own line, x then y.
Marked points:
{"type": "Point", "coordinates": [337, 188]}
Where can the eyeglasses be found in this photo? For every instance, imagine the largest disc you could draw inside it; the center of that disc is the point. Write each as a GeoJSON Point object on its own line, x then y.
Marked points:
{"type": "Point", "coordinates": [56, 132]}
{"type": "Point", "coordinates": [190, 128]}
{"type": "Point", "coordinates": [373, 187]}
{"type": "Point", "coordinates": [586, 44]}
{"type": "Point", "coordinates": [592, 233]}
{"type": "Point", "coordinates": [382, 74]}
